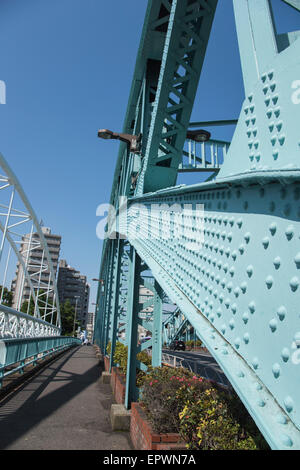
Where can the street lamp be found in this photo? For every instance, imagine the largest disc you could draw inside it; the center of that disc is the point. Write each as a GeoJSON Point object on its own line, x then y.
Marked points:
{"type": "Point", "coordinates": [199, 135]}
{"type": "Point", "coordinates": [76, 302]}
{"type": "Point", "coordinates": [133, 141]}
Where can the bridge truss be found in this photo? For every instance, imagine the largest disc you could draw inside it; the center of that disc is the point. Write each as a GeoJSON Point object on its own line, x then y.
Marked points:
{"type": "Point", "coordinates": [30, 322]}
{"type": "Point", "coordinates": [225, 251]}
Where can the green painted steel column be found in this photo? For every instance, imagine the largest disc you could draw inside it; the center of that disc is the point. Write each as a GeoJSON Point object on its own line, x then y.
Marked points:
{"type": "Point", "coordinates": [131, 393]}
{"type": "Point", "coordinates": [109, 296]}
{"type": "Point", "coordinates": [115, 305]}
{"type": "Point", "coordinates": [105, 314]}
{"type": "Point", "coordinates": [157, 322]}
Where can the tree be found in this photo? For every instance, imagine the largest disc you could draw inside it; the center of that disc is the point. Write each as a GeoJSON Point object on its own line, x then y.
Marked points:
{"type": "Point", "coordinates": [7, 296]}
{"type": "Point", "coordinates": [67, 313]}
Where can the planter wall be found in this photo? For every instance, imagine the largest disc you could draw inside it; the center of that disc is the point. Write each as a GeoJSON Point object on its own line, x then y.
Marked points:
{"type": "Point", "coordinates": [106, 363]}
{"type": "Point", "coordinates": [118, 385]}
{"type": "Point", "coordinates": [143, 437]}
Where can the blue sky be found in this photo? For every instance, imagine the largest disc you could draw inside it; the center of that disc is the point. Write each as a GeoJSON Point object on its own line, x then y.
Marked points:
{"type": "Point", "coordinates": [68, 66]}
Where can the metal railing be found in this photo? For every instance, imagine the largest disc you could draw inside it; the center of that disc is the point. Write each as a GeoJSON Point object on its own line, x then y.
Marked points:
{"type": "Point", "coordinates": [14, 324]}
{"type": "Point", "coordinates": [16, 354]}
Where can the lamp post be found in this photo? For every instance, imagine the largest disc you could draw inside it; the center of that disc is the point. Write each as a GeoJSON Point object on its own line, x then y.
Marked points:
{"type": "Point", "coordinates": [198, 135]}
{"type": "Point", "coordinates": [133, 141]}
{"type": "Point", "coordinates": [76, 302]}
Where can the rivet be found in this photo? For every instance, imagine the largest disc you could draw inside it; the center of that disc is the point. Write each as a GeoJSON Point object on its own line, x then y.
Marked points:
{"type": "Point", "coordinates": [237, 291]}
{"type": "Point", "coordinates": [249, 270]}
{"type": "Point", "coordinates": [273, 228]}
{"type": "Point", "coordinates": [286, 440]}
{"type": "Point", "coordinates": [289, 404]}
{"type": "Point", "coordinates": [246, 317]}
{"type": "Point", "coordinates": [231, 271]}
{"type": "Point", "coordinates": [261, 403]}
{"type": "Point", "coordinates": [297, 338]}
{"type": "Point", "coordinates": [244, 287]}
{"type": "Point", "coordinates": [255, 363]}
{"type": "Point", "coordinates": [276, 370]}
{"type": "Point", "coordinates": [272, 206]}
{"type": "Point", "coordinates": [297, 260]}
{"type": "Point", "coordinates": [247, 237]}
{"type": "Point", "coordinates": [246, 338]}
{"type": "Point", "coordinates": [294, 283]}
{"type": "Point", "coordinates": [290, 232]}
{"type": "Point", "coordinates": [269, 282]}
{"type": "Point", "coordinates": [252, 307]}
{"type": "Point", "coordinates": [237, 342]}
{"type": "Point", "coordinates": [277, 262]}
{"type": "Point", "coordinates": [285, 354]}
{"type": "Point", "coordinates": [231, 324]}
{"type": "Point", "coordinates": [229, 286]}
{"type": "Point", "coordinates": [266, 242]}
{"type": "Point", "coordinates": [287, 210]}
{"type": "Point", "coordinates": [273, 325]}
{"type": "Point", "coordinates": [282, 419]}
{"type": "Point", "coordinates": [281, 312]}
{"type": "Point", "coordinates": [241, 249]}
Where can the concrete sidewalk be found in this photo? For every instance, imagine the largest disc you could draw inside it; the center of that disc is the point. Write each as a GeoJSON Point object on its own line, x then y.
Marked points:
{"type": "Point", "coordinates": [63, 407]}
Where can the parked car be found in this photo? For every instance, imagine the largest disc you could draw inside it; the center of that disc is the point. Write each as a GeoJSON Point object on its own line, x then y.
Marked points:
{"type": "Point", "coordinates": [177, 344]}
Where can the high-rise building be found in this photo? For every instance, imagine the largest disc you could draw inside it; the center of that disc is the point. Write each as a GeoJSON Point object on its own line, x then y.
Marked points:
{"type": "Point", "coordinates": [34, 257]}
{"type": "Point", "coordinates": [90, 323]}
{"type": "Point", "coordinates": [73, 286]}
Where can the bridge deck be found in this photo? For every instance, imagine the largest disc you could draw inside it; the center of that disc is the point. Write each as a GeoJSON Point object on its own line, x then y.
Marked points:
{"type": "Point", "coordinates": [63, 407]}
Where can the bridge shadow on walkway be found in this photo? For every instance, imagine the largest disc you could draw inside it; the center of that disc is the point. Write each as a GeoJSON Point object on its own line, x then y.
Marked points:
{"type": "Point", "coordinates": [63, 407]}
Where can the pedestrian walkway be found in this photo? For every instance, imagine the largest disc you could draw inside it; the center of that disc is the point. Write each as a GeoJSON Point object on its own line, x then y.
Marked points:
{"type": "Point", "coordinates": [63, 407]}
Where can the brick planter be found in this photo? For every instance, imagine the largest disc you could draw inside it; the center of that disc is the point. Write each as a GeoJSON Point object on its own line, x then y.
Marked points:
{"type": "Point", "coordinates": [106, 363]}
{"type": "Point", "coordinates": [117, 382]}
{"type": "Point", "coordinates": [143, 437]}
{"type": "Point", "coordinates": [118, 385]}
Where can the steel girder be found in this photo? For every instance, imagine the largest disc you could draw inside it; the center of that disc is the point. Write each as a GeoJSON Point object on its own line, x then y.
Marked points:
{"type": "Point", "coordinates": [239, 286]}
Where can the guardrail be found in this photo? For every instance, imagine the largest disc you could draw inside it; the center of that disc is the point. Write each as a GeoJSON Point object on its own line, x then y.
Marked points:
{"type": "Point", "coordinates": [15, 324]}
{"type": "Point", "coordinates": [175, 361]}
{"type": "Point", "coordinates": [17, 353]}
{"type": "Point", "coordinates": [193, 366]}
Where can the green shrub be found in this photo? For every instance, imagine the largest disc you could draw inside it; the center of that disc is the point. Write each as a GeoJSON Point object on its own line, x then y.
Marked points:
{"type": "Point", "coordinates": [120, 358]}
{"type": "Point", "coordinates": [192, 344]}
{"type": "Point", "coordinates": [204, 414]}
{"type": "Point", "coordinates": [209, 424]}
{"type": "Point", "coordinates": [164, 395]}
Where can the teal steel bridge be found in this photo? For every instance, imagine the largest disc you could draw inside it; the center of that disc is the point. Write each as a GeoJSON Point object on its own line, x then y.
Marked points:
{"type": "Point", "coordinates": [226, 251]}
{"type": "Point", "coordinates": [30, 322]}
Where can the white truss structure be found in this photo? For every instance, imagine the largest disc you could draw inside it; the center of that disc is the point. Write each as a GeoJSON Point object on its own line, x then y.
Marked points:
{"type": "Point", "coordinates": [23, 237]}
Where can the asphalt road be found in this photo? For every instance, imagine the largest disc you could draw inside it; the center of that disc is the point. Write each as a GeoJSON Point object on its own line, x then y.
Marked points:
{"type": "Point", "coordinates": [201, 363]}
